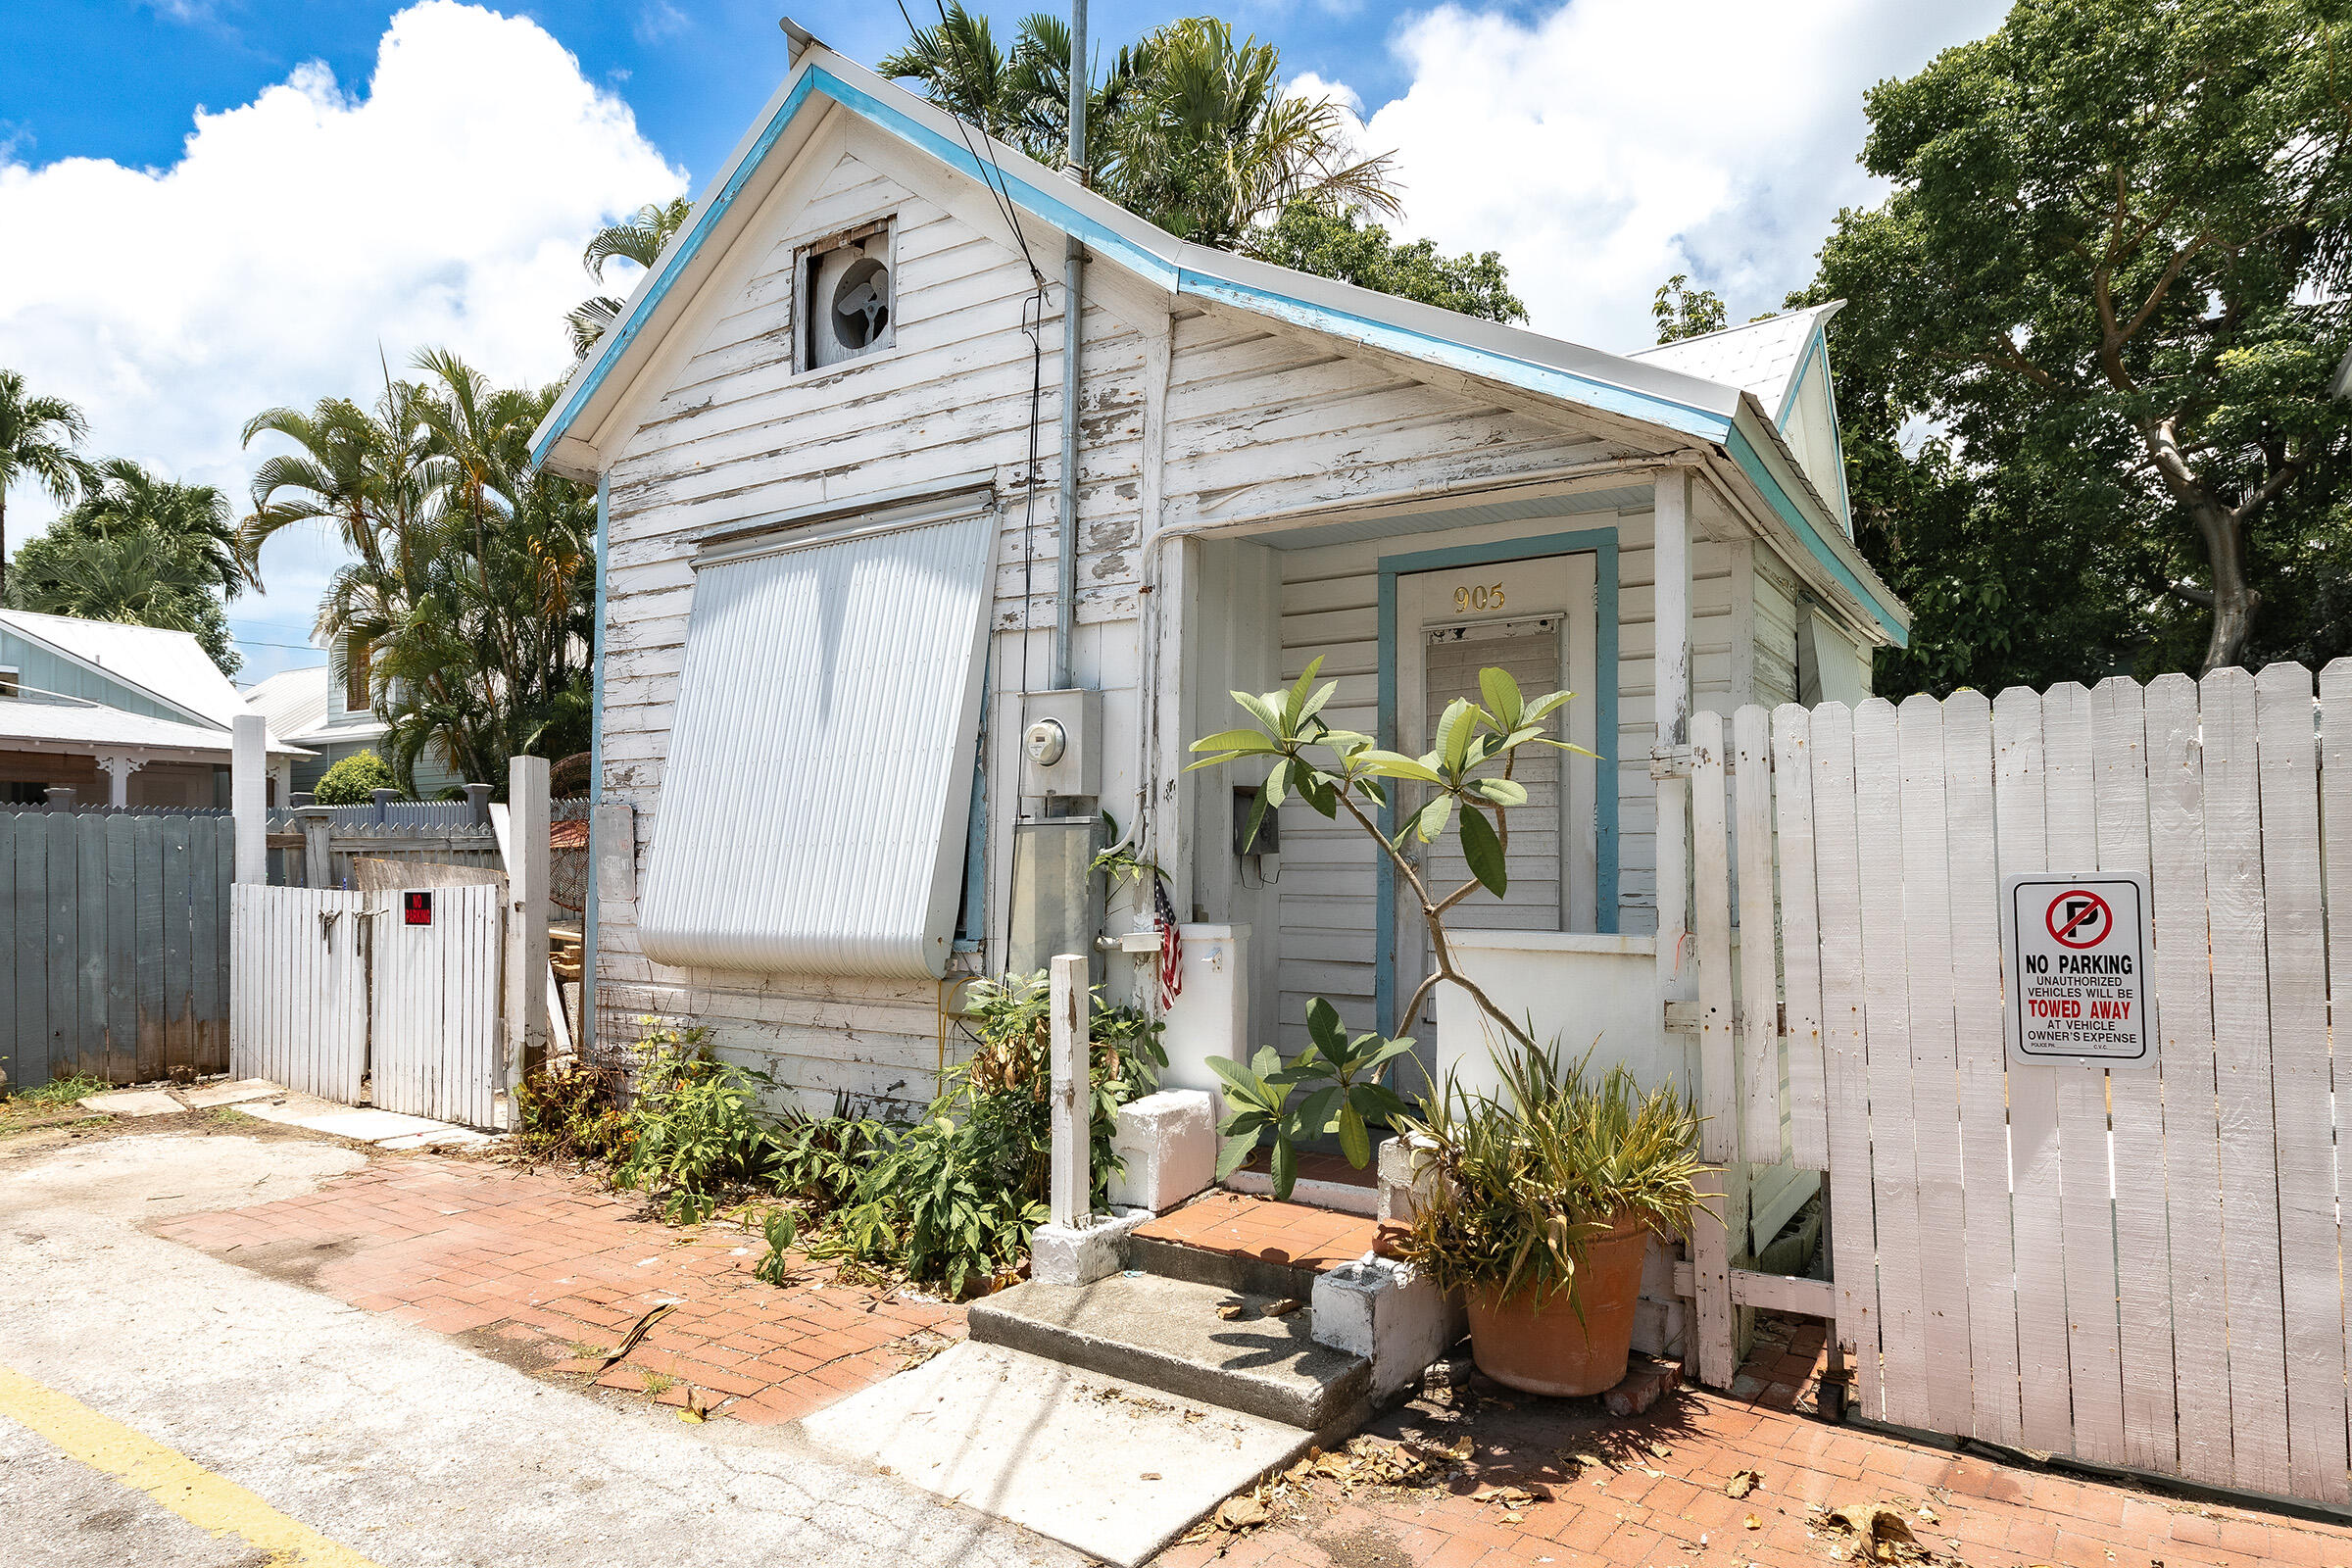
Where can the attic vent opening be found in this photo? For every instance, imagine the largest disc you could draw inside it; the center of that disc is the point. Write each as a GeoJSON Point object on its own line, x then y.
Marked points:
{"type": "Point", "coordinates": [847, 304]}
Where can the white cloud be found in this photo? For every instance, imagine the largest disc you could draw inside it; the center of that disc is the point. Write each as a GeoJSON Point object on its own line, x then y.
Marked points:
{"type": "Point", "coordinates": [300, 234]}
{"type": "Point", "coordinates": [1612, 144]}
{"type": "Point", "coordinates": [657, 20]}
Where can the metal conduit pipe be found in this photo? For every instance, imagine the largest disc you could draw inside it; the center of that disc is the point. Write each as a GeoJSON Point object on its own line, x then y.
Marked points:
{"type": "Point", "coordinates": [1073, 264]}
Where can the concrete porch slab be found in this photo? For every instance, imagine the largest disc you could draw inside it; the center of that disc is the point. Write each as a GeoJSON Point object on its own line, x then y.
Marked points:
{"type": "Point", "coordinates": [133, 1103]}
{"type": "Point", "coordinates": [1115, 1470]}
{"type": "Point", "coordinates": [386, 1129]}
{"type": "Point", "coordinates": [229, 1093]}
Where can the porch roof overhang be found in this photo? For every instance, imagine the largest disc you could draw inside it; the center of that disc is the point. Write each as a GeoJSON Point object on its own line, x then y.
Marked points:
{"type": "Point", "coordinates": [576, 436]}
{"type": "Point", "coordinates": [89, 730]}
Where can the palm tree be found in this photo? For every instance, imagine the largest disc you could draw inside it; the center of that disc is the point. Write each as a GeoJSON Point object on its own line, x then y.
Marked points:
{"type": "Point", "coordinates": [1186, 128]}
{"type": "Point", "coordinates": [122, 497]}
{"type": "Point", "coordinates": [1210, 147]}
{"type": "Point", "coordinates": [37, 438]}
{"type": "Point", "coordinates": [638, 238]}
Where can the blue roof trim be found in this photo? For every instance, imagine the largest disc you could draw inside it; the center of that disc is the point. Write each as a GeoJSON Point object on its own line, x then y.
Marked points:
{"type": "Point", "coordinates": [1430, 348]}
{"type": "Point", "coordinates": [1751, 464]}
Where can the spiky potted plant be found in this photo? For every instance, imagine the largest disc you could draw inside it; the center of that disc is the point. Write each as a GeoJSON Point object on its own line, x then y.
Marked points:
{"type": "Point", "coordinates": [1539, 1207]}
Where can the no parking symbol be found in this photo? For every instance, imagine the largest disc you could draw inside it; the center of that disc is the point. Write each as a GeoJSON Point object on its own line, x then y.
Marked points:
{"type": "Point", "coordinates": [2077, 954]}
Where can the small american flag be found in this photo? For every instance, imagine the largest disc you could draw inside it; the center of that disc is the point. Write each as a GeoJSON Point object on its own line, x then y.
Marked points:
{"type": "Point", "coordinates": [1171, 946]}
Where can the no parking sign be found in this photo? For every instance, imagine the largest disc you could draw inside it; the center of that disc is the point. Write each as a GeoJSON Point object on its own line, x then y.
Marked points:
{"type": "Point", "coordinates": [2077, 951]}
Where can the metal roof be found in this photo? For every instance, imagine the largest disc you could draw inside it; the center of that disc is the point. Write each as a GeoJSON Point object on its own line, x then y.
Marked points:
{"type": "Point", "coordinates": [48, 725]}
{"type": "Point", "coordinates": [295, 703]}
{"type": "Point", "coordinates": [1760, 357]}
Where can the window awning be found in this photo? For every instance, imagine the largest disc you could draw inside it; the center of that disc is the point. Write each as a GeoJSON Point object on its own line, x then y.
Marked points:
{"type": "Point", "coordinates": [815, 800]}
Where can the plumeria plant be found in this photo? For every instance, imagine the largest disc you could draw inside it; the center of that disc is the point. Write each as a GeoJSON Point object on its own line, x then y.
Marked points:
{"type": "Point", "coordinates": [1467, 786]}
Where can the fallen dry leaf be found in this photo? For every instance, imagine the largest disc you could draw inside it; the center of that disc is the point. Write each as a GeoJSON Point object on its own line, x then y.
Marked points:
{"type": "Point", "coordinates": [1241, 1513]}
{"type": "Point", "coordinates": [1659, 1450]}
{"type": "Point", "coordinates": [1879, 1529]}
{"type": "Point", "coordinates": [1283, 1307]}
{"type": "Point", "coordinates": [1752, 1522]}
{"type": "Point", "coordinates": [1514, 1517]}
{"type": "Point", "coordinates": [1742, 1483]}
{"type": "Point", "coordinates": [1229, 1310]}
{"type": "Point", "coordinates": [1149, 1475]}
{"type": "Point", "coordinates": [1508, 1496]}
{"type": "Point", "coordinates": [1929, 1514]}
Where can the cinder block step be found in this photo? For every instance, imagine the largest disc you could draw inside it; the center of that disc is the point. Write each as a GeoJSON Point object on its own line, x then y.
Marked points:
{"type": "Point", "coordinates": [1165, 1334]}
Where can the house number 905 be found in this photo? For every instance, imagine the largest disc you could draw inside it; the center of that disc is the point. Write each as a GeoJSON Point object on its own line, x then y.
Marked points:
{"type": "Point", "coordinates": [1482, 596]}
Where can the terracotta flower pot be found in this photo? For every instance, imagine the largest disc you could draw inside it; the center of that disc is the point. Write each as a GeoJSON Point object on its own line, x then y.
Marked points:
{"type": "Point", "coordinates": [1541, 1346]}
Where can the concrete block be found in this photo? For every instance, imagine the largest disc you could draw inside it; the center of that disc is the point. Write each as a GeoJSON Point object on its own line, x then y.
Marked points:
{"type": "Point", "coordinates": [1661, 1319]}
{"type": "Point", "coordinates": [1167, 1143]}
{"type": "Point", "coordinates": [133, 1103]}
{"type": "Point", "coordinates": [1403, 1167]}
{"type": "Point", "coordinates": [1387, 1312]}
{"type": "Point", "coordinates": [1080, 1254]}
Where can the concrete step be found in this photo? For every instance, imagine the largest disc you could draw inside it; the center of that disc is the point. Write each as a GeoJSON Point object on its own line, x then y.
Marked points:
{"type": "Point", "coordinates": [1165, 1334]}
{"type": "Point", "coordinates": [1226, 1270]}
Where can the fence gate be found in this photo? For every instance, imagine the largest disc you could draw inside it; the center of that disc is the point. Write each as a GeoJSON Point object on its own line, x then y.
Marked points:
{"type": "Point", "coordinates": [334, 992]}
{"type": "Point", "coordinates": [298, 993]}
{"type": "Point", "coordinates": [436, 1049]}
{"type": "Point", "coordinates": [2139, 1267]}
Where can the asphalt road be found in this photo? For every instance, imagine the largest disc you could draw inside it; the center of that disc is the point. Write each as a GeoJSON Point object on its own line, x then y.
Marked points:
{"type": "Point", "coordinates": [285, 1417]}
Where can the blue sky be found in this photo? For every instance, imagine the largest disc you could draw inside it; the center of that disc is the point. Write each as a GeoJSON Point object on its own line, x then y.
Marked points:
{"type": "Point", "coordinates": [211, 207]}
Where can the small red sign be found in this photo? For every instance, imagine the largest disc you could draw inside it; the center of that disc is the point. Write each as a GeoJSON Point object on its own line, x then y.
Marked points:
{"type": "Point", "coordinates": [2080, 918]}
{"type": "Point", "coordinates": [416, 908]}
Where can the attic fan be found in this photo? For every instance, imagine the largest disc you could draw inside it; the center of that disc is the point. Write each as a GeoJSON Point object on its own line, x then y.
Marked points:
{"type": "Point", "coordinates": [846, 305]}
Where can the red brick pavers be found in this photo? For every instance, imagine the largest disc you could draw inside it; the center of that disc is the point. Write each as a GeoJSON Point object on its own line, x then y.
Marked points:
{"type": "Point", "coordinates": [1650, 1492]}
{"type": "Point", "coordinates": [552, 1270]}
{"type": "Point", "coordinates": [1220, 1221]}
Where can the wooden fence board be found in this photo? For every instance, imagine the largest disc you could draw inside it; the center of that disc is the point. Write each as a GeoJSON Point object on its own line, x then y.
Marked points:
{"type": "Point", "coordinates": [90, 949]}
{"type": "Point", "coordinates": [2335, 840]}
{"type": "Point", "coordinates": [32, 949]}
{"type": "Point", "coordinates": [2300, 1082]}
{"type": "Point", "coordinates": [2183, 980]}
{"type": "Point", "coordinates": [1886, 1013]}
{"type": "Point", "coordinates": [64, 971]}
{"type": "Point", "coordinates": [1853, 1232]}
{"type": "Point", "coordinates": [147, 841]}
{"type": "Point", "coordinates": [1800, 944]}
{"type": "Point", "coordinates": [1719, 1102]}
{"type": "Point", "coordinates": [1761, 1140]}
{"type": "Point", "coordinates": [179, 1041]}
{"type": "Point", "coordinates": [1976, 984]}
{"type": "Point", "coordinates": [2241, 1015]}
{"type": "Point", "coordinates": [204, 948]}
{"type": "Point", "coordinates": [2143, 1266]}
{"type": "Point", "coordinates": [122, 952]}
{"type": "Point", "coordinates": [2021, 819]}
{"type": "Point", "coordinates": [12, 1052]}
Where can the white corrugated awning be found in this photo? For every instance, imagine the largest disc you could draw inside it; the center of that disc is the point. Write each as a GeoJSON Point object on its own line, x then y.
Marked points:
{"type": "Point", "coordinates": [815, 799]}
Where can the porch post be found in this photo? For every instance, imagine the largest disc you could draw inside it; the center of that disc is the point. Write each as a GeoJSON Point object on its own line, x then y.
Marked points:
{"type": "Point", "coordinates": [1671, 571]}
{"type": "Point", "coordinates": [527, 924]}
{"type": "Point", "coordinates": [1070, 1188]}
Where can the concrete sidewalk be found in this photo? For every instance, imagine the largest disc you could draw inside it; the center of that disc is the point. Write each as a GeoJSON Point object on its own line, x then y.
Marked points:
{"type": "Point", "coordinates": [385, 1436]}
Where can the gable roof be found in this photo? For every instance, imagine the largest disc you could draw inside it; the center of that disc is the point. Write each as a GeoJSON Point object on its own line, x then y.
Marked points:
{"type": "Point", "coordinates": [1765, 357]}
{"type": "Point", "coordinates": [292, 700]}
{"type": "Point", "coordinates": [170, 666]}
{"type": "Point", "coordinates": [1657, 394]}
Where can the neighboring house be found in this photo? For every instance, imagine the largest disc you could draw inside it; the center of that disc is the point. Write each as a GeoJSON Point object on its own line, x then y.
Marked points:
{"type": "Point", "coordinates": [330, 719]}
{"type": "Point", "coordinates": [122, 715]}
{"type": "Point", "coordinates": [835, 582]}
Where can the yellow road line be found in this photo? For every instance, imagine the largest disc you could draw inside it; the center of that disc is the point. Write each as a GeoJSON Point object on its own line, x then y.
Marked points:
{"type": "Point", "coordinates": [208, 1502]}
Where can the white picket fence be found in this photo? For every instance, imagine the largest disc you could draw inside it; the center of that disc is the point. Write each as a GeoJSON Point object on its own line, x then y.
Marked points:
{"type": "Point", "coordinates": [2141, 1268]}
{"type": "Point", "coordinates": [435, 1047]}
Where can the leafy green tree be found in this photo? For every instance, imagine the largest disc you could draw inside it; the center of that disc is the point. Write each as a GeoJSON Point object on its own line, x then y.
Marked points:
{"type": "Point", "coordinates": [138, 573]}
{"type": "Point", "coordinates": [1685, 311]}
{"type": "Point", "coordinates": [2113, 277]}
{"type": "Point", "coordinates": [638, 238]}
{"type": "Point", "coordinates": [1341, 244]}
{"type": "Point", "coordinates": [37, 438]}
{"type": "Point", "coordinates": [121, 495]}
{"type": "Point", "coordinates": [354, 780]}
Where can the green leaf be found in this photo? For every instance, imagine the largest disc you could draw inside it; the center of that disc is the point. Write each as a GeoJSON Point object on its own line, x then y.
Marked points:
{"type": "Point", "coordinates": [1314, 703]}
{"type": "Point", "coordinates": [1263, 710]}
{"type": "Point", "coordinates": [1504, 792]}
{"type": "Point", "coordinates": [1431, 819]}
{"type": "Point", "coordinates": [1324, 1028]}
{"type": "Point", "coordinates": [1502, 697]}
{"type": "Point", "coordinates": [1235, 740]}
{"type": "Point", "coordinates": [1355, 1141]}
{"type": "Point", "coordinates": [1285, 1166]}
{"type": "Point", "coordinates": [1544, 706]}
{"type": "Point", "coordinates": [1257, 816]}
{"type": "Point", "coordinates": [1312, 1118]}
{"type": "Point", "coordinates": [1483, 851]}
{"type": "Point", "coordinates": [1395, 764]}
{"type": "Point", "coordinates": [1454, 728]}
{"type": "Point", "coordinates": [1234, 1152]}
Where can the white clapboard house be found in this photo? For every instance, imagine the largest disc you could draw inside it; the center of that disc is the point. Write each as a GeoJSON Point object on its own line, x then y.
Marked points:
{"type": "Point", "coordinates": [840, 594]}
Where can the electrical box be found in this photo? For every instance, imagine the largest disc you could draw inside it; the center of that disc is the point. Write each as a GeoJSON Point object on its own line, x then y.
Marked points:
{"type": "Point", "coordinates": [1269, 831]}
{"type": "Point", "coordinates": [1057, 892]}
{"type": "Point", "coordinates": [1062, 744]}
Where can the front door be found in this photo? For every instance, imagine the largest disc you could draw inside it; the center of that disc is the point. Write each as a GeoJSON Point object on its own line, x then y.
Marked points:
{"type": "Point", "coordinates": [1534, 618]}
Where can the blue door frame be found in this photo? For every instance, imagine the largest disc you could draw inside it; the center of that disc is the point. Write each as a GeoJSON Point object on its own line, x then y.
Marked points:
{"type": "Point", "coordinates": [1601, 543]}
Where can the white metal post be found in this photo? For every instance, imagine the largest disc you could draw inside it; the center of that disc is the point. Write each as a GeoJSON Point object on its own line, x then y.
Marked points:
{"type": "Point", "coordinates": [527, 924]}
{"type": "Point", "coordinates": [1070, 1193]}
{"type": "Point", "coordinates": [248, 795]}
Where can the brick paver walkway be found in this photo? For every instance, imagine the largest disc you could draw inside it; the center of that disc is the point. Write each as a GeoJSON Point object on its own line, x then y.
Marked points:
{"type": "Point", "coordinates": [1651, 1493]}
{"type": "Point", "coordinates": [551, 1270]}
{"type": "Point", "coordinates": [1219, 1221]}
